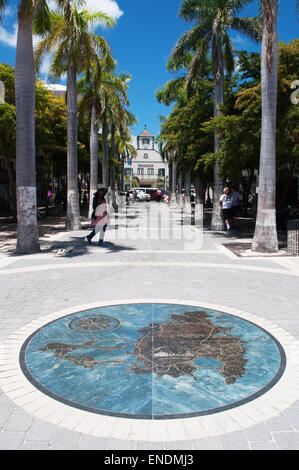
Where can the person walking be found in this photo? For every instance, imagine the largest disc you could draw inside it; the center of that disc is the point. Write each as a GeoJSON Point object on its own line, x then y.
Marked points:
{"type": "Point", "coordinates": [99, 218]}
{"type": "Point", "coordinates": [225, 203]}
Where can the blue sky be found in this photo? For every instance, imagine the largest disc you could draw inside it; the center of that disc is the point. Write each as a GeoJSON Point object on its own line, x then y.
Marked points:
{"type": "Point", "coordinates": [141, 42]}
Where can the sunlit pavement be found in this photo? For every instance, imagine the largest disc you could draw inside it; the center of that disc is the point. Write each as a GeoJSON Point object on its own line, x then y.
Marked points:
{"type": "Point", "coordinates": [151, 254]}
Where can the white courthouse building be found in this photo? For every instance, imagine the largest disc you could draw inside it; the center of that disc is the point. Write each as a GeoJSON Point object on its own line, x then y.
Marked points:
{"type": "Point", "coordinates": [148, 166]}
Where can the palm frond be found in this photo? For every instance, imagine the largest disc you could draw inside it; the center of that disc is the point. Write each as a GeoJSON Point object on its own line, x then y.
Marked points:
{"type": "Point", "coordinates": [189, 41]}
{"type": "Point", "coordinates": [99, 19]}
{"type": "Point", "coordinates": [197, 66]}
{"type": "Point", "coordinates": [41, 19]}
{"type": "Point", "coordinates": [195, 10]}
{"type": "Point", "coordinates": [2, 8]}
{"type": "Point", "coordinates": [170, 91]}
{"type": "Point", "coordinates": [228, 54]}
{"type": "Point", "coordinates": [251, 27]}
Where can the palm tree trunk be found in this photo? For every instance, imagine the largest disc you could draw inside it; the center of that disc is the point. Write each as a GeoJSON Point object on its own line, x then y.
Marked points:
{"type": "Point", "coordinates": [27, 238]}
{"type": "Point", "coordinates": [265, 235]}
{"type": "Point", "coordinates": [199, 191]}
{"type": "Point", "coordinates": [180, 188]}
{"type": "Point", "coordinates": [173, 183]}
{"type": "Point", "coordinates": [112, 176]}
{"type": "Point", "coordinates": [73, 209]}
{"type": "Point", "coordinates": [94, 156]}
{"type": "Point", "coordinates": [217, 222]}
{"type": "Point", "coordinates": [187, 188]}
{"type": "Point", "coordinates": [122, 171]}
{"type": "Point", "coordinates": [105, 168]}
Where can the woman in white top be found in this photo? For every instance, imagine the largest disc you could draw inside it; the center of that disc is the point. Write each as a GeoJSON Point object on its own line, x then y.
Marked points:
{"type": "Point", "coordinates": [225, 202]}
{"type": "Point", "coordinates": [100, 217]}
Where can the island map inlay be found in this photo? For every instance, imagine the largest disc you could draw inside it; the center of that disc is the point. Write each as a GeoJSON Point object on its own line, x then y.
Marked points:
{"type": "Point", "coordinates": [152, 361]}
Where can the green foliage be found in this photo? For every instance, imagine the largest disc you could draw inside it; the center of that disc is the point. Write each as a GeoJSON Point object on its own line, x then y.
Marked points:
{"type": "Point", "coordinates": [211, 20]}
{"type": "Point", "coordinates": [190, 127]}
{"type": "Point", "coordinates": [8, 112]}
{"type": "Point", "coordinates": [181, 131]}
{"type": "Point", "coordinates": [50, 122]}
{"type": "Point", "coordinates": [240, 128]}
{"type": "Point", "coordinates": [71, 39]}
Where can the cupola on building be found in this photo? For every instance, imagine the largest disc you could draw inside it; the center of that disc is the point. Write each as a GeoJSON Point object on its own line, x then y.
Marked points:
{"type": "Point", "coordinates": [148, 166]}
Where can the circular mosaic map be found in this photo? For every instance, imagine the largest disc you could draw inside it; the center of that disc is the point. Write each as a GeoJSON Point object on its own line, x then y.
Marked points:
{"type": "Point", "coordinates": [152, 361]}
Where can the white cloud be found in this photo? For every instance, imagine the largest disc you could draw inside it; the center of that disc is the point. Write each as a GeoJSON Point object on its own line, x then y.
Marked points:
{"type": "Point", "coordinates": [110, 7]}
{"type": "Point", "coordinates": [9, 11]}
{"type": "Point", "coordinates": [10, 39]}
{"type": "Point", "coordinates": [239, 40]}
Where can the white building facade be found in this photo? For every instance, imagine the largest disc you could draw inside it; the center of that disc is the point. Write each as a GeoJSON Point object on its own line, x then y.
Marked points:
{"type": "Point", "coordinates": [148, 166]}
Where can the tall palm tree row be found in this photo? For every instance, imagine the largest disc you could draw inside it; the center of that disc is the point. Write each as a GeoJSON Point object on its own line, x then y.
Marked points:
{"type": "Point", "coordinates": [102, 90]}
{"type": "Point", "coordinates": [89, 88]}
{"type": "Point", "coordinates": [29, 12]}
{"type": "Point", "coordinates": [124, 148]}
{"type": "Point", "coordinates": [213, 20]}
{"type": "Point", "coordinates": [76, 49]}
{"type": "Point", "coordinates": [265, 235]}
{"type": "Point", "coordinates": [114, 93]}
{"type": "Point", "coordinates": [69, 33]}
{"type": "Point", "coordinates": [117, 118]}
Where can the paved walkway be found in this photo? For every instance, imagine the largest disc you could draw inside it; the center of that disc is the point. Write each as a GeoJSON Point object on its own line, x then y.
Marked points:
{"type": "Point", "coordinates": [151, 254]}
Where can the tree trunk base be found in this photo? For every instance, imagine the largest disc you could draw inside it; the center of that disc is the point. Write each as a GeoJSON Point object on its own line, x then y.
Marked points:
{"type": "Point", "coordinates": [27, 237]}
{"type": "Point", "coordinates": [72, 220]}
{"type": "Point", "coordinates": [217, 223]}
{"type": "Point", "coordinates": [268, 245]}
{"type": "Point", "coordinates": [27, 241]}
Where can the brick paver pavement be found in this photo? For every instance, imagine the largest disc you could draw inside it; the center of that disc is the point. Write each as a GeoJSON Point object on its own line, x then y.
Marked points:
{"type": "Point", "coordinates": [140, 262]}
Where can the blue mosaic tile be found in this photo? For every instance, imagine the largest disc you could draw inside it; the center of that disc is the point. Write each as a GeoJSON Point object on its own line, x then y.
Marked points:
{"type": "Point", "coordinates": [152, 361]}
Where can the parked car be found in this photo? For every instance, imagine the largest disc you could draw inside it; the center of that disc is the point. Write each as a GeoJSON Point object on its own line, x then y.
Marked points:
{"type": "Point", "coordinates": [154, 193]}
{"type": "Point", "coordinates": [142, 196]}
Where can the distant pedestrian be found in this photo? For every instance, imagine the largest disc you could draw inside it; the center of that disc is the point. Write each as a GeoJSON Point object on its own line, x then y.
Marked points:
{"type": "Point", "coordinates": [59, 202]}
{"type": "Point", "coordinates": [49, 194]}
{"type": "Point", "coordinates": [84, 199]}
{"type": "Point", "coordinates": [237, 198]}
{"type": "Point", "coordinates": [99, 216]}
{"type": "Point", "coordinates": [225, 203]}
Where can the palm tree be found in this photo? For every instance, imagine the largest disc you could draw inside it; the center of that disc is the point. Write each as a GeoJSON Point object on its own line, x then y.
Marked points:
{"type": "Point", "coordinates": [114, 95]}
{"type": "Point", "coordinates": [89, 88]}
{"type": "Point", "coordinates": [213, 19]}
{"type": "Point", "coordinates": [27, 238]}
{"type": "Point", "coordinates": [29, 11]}
{"type": "Point", "coordinates": [120, 138]}
{"type": "Point", "coordinates": [265, 235]}
{"type": "Point", "coordinates": [76, 49]}
{"type": "Point", "coordinates": [106, 94]}
{"type": "Point", "coordinates": [124, 148]}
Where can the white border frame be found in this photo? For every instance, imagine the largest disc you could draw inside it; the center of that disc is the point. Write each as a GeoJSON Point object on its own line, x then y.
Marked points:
{"type": "Point", "coordinates": [29, 398]}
